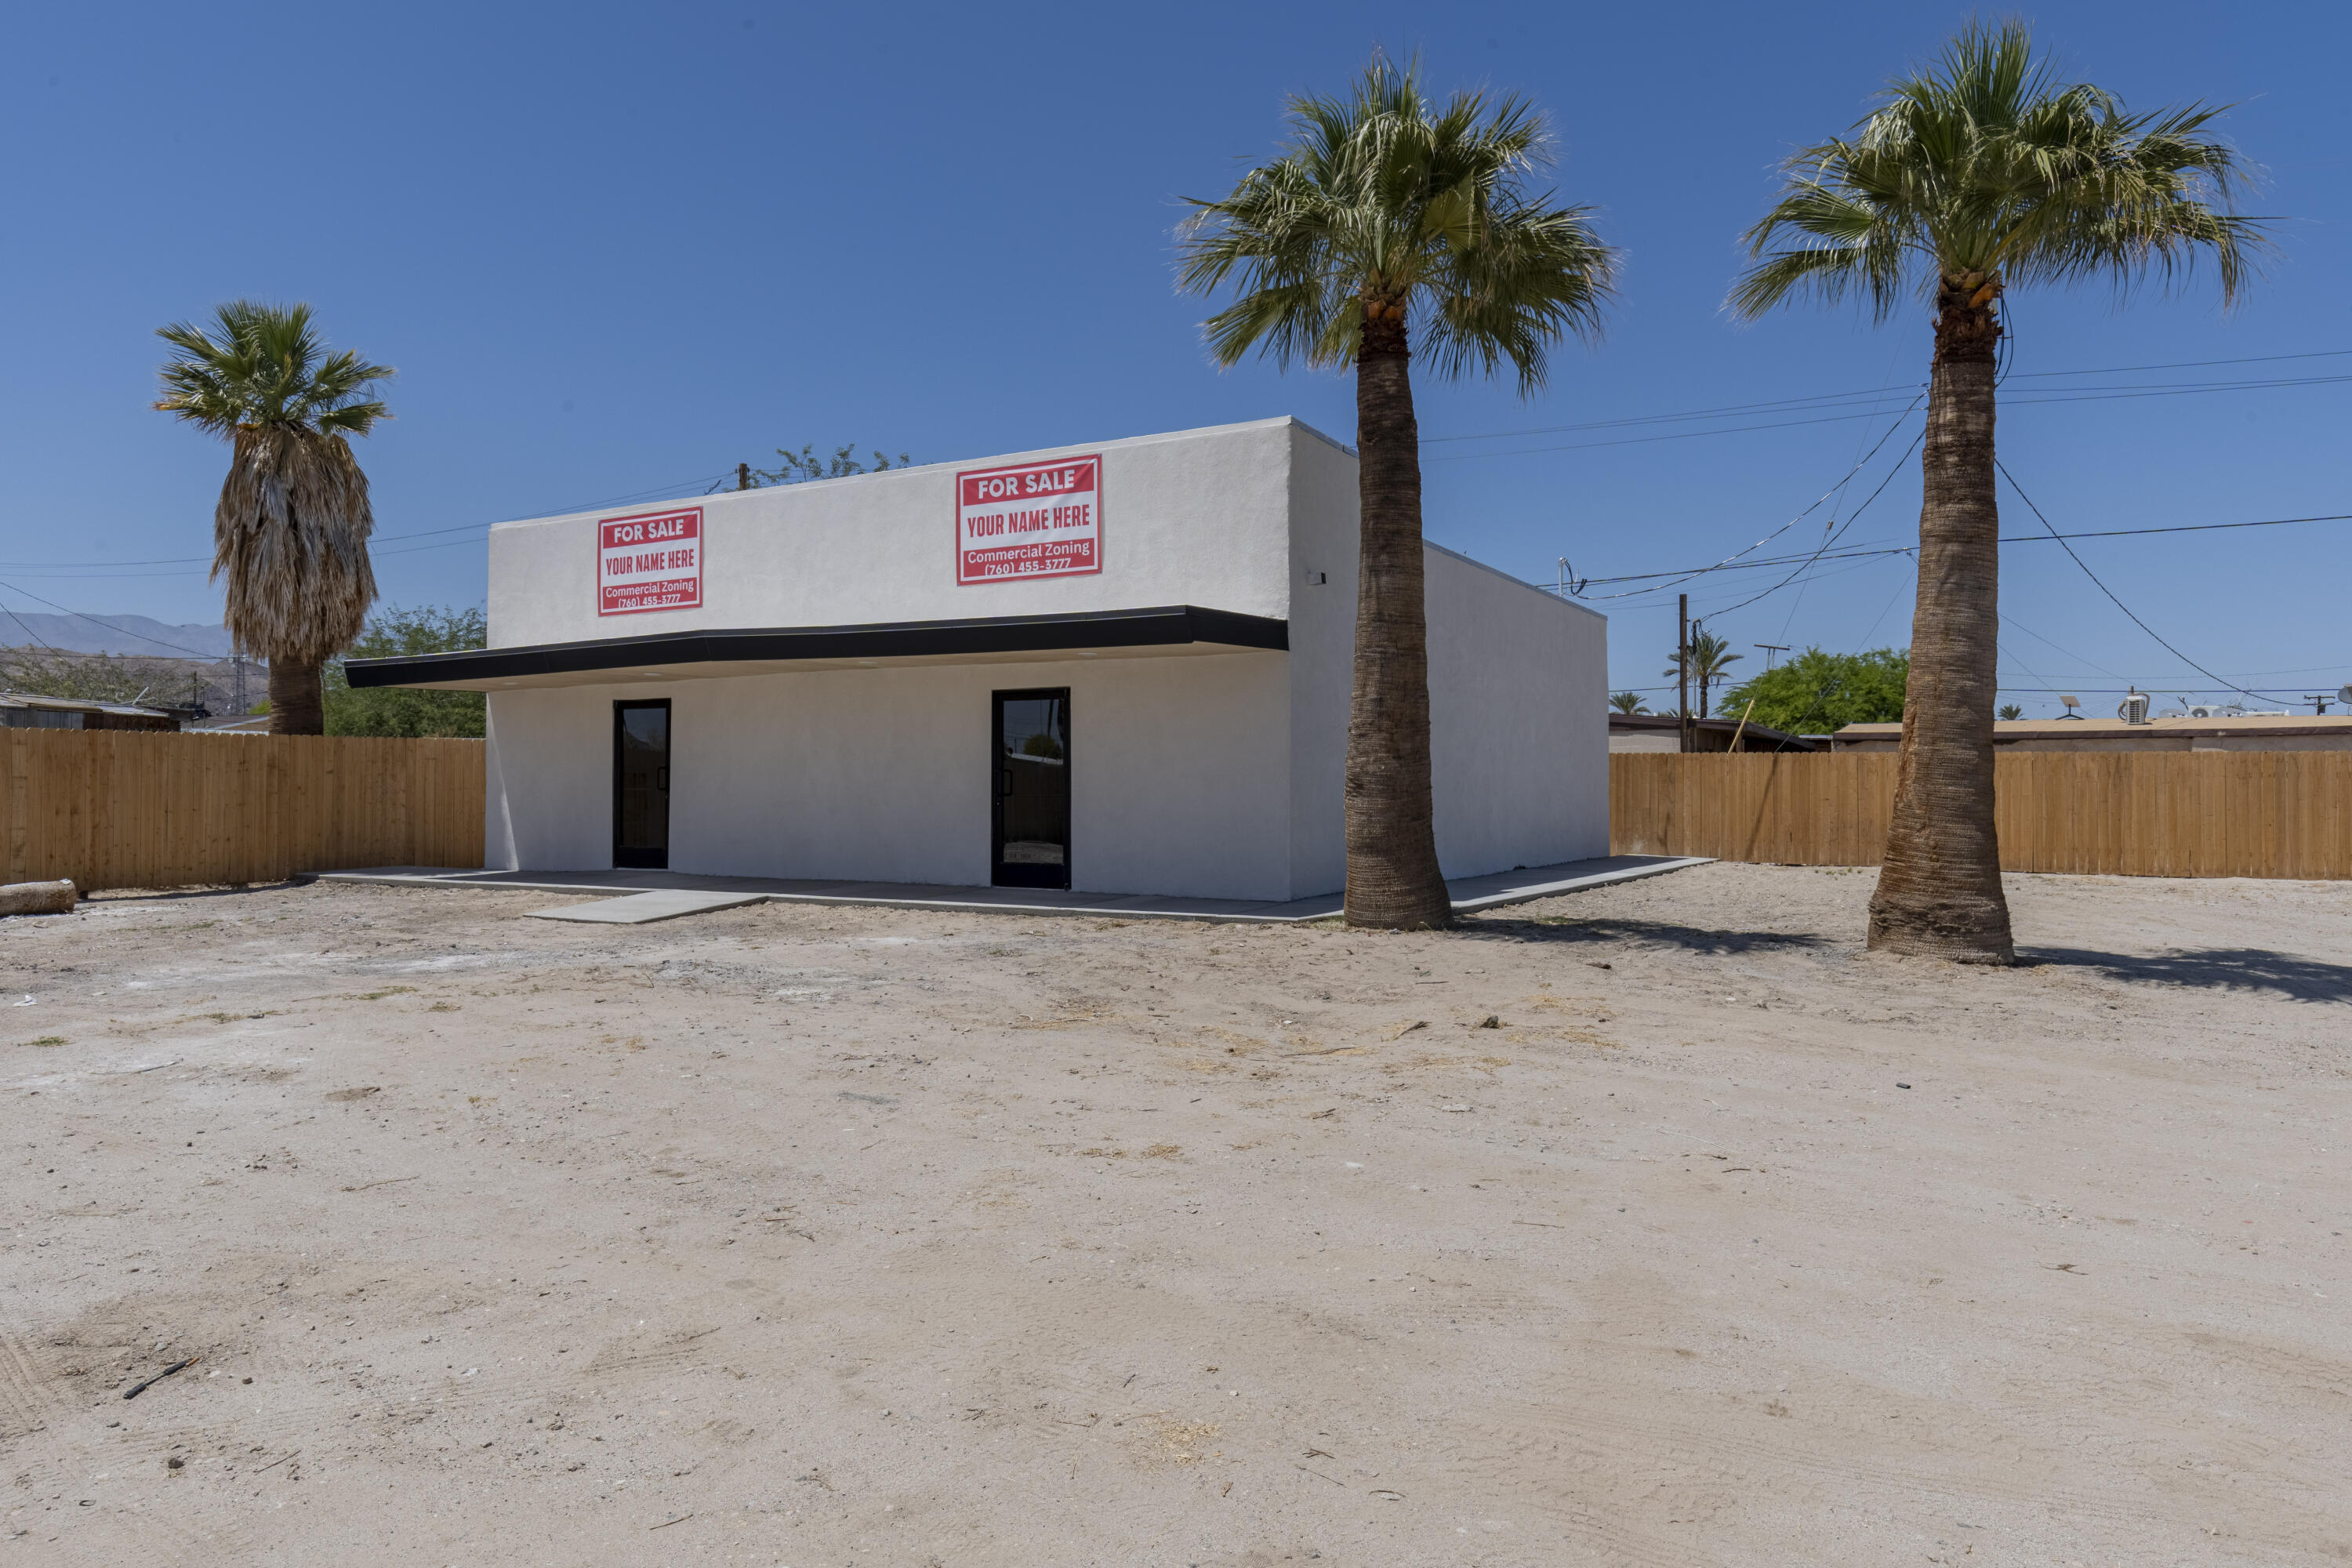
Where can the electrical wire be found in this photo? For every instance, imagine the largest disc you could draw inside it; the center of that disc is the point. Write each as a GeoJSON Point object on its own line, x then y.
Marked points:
{"type": "Point", "coordinates": [659, 493]}
{"type": "Point", "coordinates": [1822, 499]}
{"type": "Point", "coordinates": [2088, 395]}
{"type": "Point", "coordinates": [1832, 539]}
{"type": "Point", "coordinates": [110, 625]}
{"type": "Point", "coordinates": [1857, 393]}
{"type": "Point", "coordinates": [1855, 554]}
{"type": "Point", "coordinates": [2110, 593]}
{"type": "Point", "coordinates": [2180, 364]}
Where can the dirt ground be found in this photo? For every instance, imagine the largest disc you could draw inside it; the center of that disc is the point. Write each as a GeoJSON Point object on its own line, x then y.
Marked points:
{"type": "Point", "coordinates": [1658, 1225]}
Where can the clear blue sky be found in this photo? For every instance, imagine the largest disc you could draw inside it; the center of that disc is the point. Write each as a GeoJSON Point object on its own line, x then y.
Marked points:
{"type": "Point", "coordinates": [615, 250]}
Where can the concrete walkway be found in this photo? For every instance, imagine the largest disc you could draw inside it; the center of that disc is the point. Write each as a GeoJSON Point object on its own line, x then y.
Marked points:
{"type": "Point", "coordinates": [1470, 893]}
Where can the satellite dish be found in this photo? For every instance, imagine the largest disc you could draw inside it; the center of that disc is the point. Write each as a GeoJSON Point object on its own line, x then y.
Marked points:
{"type": "Point", "coordinates": [2343, 693]}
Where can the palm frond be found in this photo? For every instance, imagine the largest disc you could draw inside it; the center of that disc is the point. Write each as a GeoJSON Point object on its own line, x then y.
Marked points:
{"type": "Point", "coordinates": [265, 365]}
{"type": "Point", "coordinates": [1386, 198]}
{"type": "Point", "coordinates": [290, 535]}
{"type": "Point", "coordinates": [1985, 164]}
{"type": "Point", "coordinates": [291, 528]}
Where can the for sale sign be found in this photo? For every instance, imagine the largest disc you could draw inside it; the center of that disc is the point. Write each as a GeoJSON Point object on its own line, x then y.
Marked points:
{"type": "Point", "coordinates": [1039, 519]}
{"type": "Point", "coordinates": [652, 562]}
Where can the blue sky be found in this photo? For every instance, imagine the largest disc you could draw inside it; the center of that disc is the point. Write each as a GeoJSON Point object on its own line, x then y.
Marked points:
{"type": "Point", "coordinates": [614, 251]}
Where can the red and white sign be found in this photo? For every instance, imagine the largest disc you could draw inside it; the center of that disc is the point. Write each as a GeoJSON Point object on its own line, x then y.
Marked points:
{"type": "Point", "coordinates": [1039, 519]}
{"type": "Point", "coordinates": [652, 562]}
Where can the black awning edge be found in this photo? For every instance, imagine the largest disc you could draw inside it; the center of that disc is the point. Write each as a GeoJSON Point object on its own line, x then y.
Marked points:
{"type": "Point", "coordinates": [1162, 625]}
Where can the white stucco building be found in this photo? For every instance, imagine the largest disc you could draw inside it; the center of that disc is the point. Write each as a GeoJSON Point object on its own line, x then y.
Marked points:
{"type": "Point", "coordinates": [1119, 669]}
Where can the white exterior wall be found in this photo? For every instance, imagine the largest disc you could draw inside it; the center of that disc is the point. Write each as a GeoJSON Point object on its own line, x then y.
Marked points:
{"type": "Point", "coordinates": [1178, 778]}
{"type": "Point", "coordinates": [1323, 510]}
{"type": "Point", "coordinates": [1197, 517]}
{"type": "Point", "coordinates": [1518, 697]}
{"type": "Point", "coordinates": [1518, 721]}
{"type": "Point", "coordinates": [1202, 774]}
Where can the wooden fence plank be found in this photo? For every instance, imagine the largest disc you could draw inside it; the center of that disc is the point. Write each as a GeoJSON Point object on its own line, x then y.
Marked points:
{"type": "Point", "coordinates": [2155, 813]}
{"type": "Point", "coordinates": [116, 808]}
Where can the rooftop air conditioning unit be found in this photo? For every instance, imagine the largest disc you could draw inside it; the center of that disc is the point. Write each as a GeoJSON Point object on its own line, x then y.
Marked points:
{"type": "Point", "coordinates": [2133, 709]}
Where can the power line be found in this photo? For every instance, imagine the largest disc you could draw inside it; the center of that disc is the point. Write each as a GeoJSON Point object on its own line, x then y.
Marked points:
{"type": "Point", "coordinates": [2092, 395]}
{"type": "Point", "coordinates": [2103, 588]}
{"type": "Point", "coordinates": [110, 625]}
{"type": "Point", "coordinates": [1822, 401]}
{"type": "Point", "coordinates": [1770, 405]}
{"type": "Point", "coordinates": [2186, 364]}
{"type": "Point", "coordinates": [657, 492]}
{"type": "Point", "coordinates": [1735, 565]}
{"type": "Point", "coordinates": [1832, 539]}
{"type": "Point", "coordinates": [1860, 391]}
{"type": "Point", "coordinates": [1642, 440]}
{"type": "Point", "coordinates": [1818, 501]}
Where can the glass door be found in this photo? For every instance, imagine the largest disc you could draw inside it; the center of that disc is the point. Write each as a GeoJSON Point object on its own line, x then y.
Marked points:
{"type": "Point", "coordinates": [1031, 759]}
{"type": "Point", "coordinates": [641, 784]}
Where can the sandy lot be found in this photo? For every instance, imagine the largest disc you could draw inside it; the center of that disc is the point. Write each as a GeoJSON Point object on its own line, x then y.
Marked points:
{"type": "Point", "coordinates": [1659, 1224]}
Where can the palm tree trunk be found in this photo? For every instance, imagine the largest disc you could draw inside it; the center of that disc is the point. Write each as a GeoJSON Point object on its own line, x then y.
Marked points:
{"type": "Point", "coordinates": [1393, 881]}
{"type": "Point", "coordinates": [1940, 887]}
{"type": "Point", "coordinates": [297, 706]}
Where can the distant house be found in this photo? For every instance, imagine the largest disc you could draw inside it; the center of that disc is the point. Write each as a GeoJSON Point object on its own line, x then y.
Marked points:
{"type": "Point", "coordinates": [1656, 732]}
{"type": "Point", "coordinates": [2293, 733]}
{"type": "Point", "coordinates": [23, 710]}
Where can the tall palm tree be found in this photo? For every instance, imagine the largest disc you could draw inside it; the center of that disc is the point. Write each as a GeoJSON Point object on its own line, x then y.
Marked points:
{"type": "Point", "coordinates": [1981, 173]}
{"type": "Point", "coordinates": [1627, 702]}
{"type": "Point", "coordinates": [1388, 217]}
{"type": "Point", "coordinates": [1710, 663]}
{"type": "Point", "coordinates": [292, 524]}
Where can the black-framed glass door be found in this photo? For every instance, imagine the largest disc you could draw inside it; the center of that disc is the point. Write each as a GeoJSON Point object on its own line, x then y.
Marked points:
{"type": "Point", "coordinates": [641, 784]}
{"type": "Point", "coordinates": [1030, 757]}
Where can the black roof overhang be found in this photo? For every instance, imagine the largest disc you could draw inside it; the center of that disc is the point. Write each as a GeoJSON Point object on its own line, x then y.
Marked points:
{"type": "Point", "coordinates": [1162, 625]}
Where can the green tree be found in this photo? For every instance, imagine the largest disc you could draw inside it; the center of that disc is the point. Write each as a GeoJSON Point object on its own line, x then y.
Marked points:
{"type": "Point", "coordinates": [405, 711]}
{"type": "Point", "coordinates": [1710, 662]}
{"type": "Point", "coordinates": [2011, 712]}
{"type": "Point", "coordinates": [799, 467]}
{"type": "Point", "coordinates": [1390, 219]}
{"type": "Point", "coordinates": [1627, 702]}
{"type": "Point", "coordinates": [92, 677]}
{"type": "Point", "coordinates": [1981, 173]}
{"type": "Point", "coordinates": [1816, 693]}
{"type": "Point", "coordinates": [291, 527]}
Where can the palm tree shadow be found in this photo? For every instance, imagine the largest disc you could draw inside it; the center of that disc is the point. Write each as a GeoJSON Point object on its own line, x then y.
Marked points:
{"type": "Point", "coordinates": [2215, 968]}
{"type": "Point", "coordinates": [1574, 931]}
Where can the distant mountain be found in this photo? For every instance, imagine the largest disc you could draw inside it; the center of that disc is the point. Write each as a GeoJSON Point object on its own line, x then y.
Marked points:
{"type": "Point", "coordinates": [137, 633]}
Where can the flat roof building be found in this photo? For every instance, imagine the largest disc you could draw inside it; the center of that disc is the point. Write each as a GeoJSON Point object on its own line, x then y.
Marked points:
{"type": "Point", "coordinates": [1663, 733]}
{"type": "Point", "coordinates": [2250, 732]}
{"type": "Point", "coordinates": [1123, 668]}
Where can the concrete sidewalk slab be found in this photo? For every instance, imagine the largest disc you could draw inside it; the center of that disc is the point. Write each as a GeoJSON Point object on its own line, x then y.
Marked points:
{"type": "Point", "coordinates": [1471, 894]}
{"type": "Point", "coordinates": [638, 908]}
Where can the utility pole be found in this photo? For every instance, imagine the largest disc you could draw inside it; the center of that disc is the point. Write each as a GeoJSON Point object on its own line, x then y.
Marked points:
{"type": "Point", "coordinates": [742, 475]}
{"type": "Point", "coordinates": [1682, 673]}
{"type": "Point", "coordinates": [2319, 704]}
{"type": "Point", "coordinates": [1769, 649]}
{"type": "Point", "coordinates": [236, 678]}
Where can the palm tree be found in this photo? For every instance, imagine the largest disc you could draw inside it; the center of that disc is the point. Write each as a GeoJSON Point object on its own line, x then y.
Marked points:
{"type": "Point", "coordinates": [1981, 173]}
{"type": "Point", "coordinates": [292, 524]}
{"type": "Point", "coordinates": [1389, 215]}
{"type": "Point", "coordinates": [1627, 702]}
{"type": "Point", "coordinates": [2010, 710]}
{"type": "Point", "coordinates": [1710, 661]}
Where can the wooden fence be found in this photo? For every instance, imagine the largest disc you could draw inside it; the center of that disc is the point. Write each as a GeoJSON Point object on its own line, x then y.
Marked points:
{"type": "Point", "coordinates": [2159, 814]}
{"type": "Point", "coordinates": [122, 809]}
